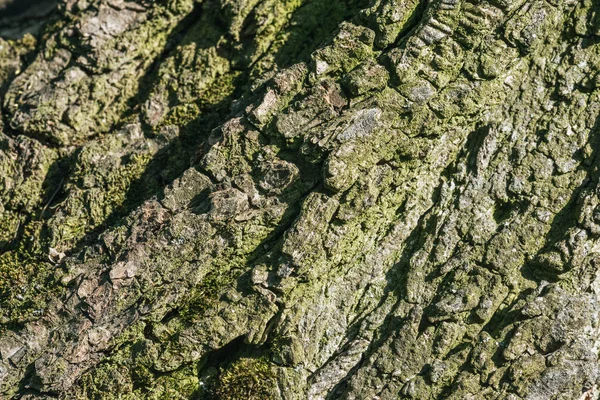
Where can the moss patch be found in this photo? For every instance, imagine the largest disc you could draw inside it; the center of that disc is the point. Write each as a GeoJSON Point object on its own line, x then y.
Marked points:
{"type": "Point", "coordinates": [247, 378]}
{"type": "Point", "coordinates": [25, 279]}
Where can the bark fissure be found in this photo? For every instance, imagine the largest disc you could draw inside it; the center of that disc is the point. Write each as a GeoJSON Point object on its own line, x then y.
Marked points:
{"type": "Point", "coordinates": [301, 199]}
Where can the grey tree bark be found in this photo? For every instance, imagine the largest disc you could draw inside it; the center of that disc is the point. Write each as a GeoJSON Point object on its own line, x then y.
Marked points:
{"type": "Point", "coordinates": [300, 199]}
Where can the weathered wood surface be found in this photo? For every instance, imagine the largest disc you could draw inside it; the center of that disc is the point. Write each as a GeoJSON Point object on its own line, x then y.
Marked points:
{"type": "Point", "coordinates": [301, 199]}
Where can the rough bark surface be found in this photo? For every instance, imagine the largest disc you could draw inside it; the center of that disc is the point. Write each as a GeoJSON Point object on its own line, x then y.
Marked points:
{"type": "Point", "coordinates": [300, 199]}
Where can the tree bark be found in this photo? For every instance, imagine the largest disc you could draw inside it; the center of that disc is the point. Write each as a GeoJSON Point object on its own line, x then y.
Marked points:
{"type": "Point", "coordinates": [300, 199]}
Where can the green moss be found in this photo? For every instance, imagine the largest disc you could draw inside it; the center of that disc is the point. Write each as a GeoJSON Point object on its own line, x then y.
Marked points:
{"type": "Point", "coordinates": [223, 87]}
{"type": "Point", "coordinates": [98, 189]}
{"type": "Point", "coordinates": [351, 46]}
{"type": "Point", "coordinates": [204, 296]}
{"type": "Point", "coordinates": [309, 25]}
{"type": "Point", "coordinates": [11, 54]}
{"type": "Point", "coordinates": [107, 381]}
{"type": "Point", "coordinates": [57, 116]}
{"type": "Point", "coordinates": [391, 19]}
{"type": "Point", "coordinates": [248, 379]}
{"type": "Point", "coordinates": [186, 116]}
{"type": "Point", "coordinates": [127, 373]}
{"type": "Point", "coordinates": [9, 225]}
{"type": "Point", "coordinates": [181, 384]}
{"type": "Point", "coordinates": [25, 278]}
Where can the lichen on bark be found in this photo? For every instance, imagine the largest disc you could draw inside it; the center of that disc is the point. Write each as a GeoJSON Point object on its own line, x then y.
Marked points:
{"type": "Point", "coordinates": [300, 199]}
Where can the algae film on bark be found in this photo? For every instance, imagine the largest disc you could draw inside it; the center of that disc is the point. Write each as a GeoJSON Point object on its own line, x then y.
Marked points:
{"type": "Point", "coordinates": [300, 199]}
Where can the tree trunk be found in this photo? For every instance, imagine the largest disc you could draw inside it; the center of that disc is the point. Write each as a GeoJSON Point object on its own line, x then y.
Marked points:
{"type": "Point", "coordinates": [300, 199]}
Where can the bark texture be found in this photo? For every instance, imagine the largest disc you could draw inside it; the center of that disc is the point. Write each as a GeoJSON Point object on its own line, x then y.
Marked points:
{"type": "Point", "coordinates": [300, 199]}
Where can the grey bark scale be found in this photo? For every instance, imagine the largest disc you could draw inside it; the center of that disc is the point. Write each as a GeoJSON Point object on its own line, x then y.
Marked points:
{"type": "Point", "coordinates": [300, 199]}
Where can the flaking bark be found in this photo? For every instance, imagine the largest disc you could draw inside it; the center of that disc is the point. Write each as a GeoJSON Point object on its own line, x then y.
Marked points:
{"type": "Point", "coordinates": [300, 199]}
